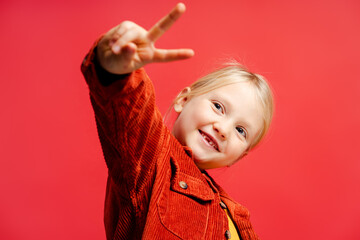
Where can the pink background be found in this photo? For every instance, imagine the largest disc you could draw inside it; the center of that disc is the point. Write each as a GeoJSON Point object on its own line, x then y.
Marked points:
{"type": "Point", "coordinates": [301, 183]}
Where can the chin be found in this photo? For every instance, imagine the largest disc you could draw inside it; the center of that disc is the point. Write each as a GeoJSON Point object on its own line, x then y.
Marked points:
{"type": "Point", "coordinates": [202, 164]}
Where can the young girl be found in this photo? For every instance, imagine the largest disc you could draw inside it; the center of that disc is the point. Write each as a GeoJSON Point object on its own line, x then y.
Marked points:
{"type": "Point", "coordinates": [157, 185]}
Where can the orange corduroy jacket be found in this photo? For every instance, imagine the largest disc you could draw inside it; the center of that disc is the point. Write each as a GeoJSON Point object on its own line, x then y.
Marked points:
{"type": "Point", "coordinates": [154, 189]}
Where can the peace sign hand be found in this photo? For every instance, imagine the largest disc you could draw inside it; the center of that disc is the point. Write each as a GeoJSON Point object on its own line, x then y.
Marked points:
{"type": "Point", "coordinates": [128, 46]}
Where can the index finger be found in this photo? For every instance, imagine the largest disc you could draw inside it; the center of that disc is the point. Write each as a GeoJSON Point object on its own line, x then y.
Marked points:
{"type": "Point", "coordinates": [166, 22]}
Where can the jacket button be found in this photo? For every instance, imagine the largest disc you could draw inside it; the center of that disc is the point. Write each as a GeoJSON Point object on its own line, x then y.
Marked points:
{"type": "Point", "coordinates": [223, 205]}
{"type": "Point", "coordinates": [227, 234]}
{"type": "Point", "coordinates": [183, 185]}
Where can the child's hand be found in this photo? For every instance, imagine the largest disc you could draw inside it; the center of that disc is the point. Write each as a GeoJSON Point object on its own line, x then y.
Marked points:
{"type": "Point", "coordinates": [128, 46]}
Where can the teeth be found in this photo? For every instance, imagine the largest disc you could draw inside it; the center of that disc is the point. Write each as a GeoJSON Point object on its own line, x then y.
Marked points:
{"type": "Point", "coordinates": [209, 141]}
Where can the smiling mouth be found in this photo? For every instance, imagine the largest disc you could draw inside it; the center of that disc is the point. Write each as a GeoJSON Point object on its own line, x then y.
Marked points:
{"type": "Point", "coordinates": [210, 140]}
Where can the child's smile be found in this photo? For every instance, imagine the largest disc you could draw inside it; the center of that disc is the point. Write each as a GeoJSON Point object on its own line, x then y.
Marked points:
{"type": "Point", "coordinates": [209, 140]}
{"type": "Point", "coordinates": [219, 125]}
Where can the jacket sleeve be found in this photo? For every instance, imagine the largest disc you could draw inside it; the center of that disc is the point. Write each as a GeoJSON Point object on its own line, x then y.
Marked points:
{"type": "Point", "coordinates": [130, 127]}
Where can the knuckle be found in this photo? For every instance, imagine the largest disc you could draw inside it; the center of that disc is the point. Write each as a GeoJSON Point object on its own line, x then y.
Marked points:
{"type": "Point", "coordinates": [125, 26]}
{"type": "Point", "coordinates": [127, 23]}
{"type": "Point", "coordinates": [172, 17]}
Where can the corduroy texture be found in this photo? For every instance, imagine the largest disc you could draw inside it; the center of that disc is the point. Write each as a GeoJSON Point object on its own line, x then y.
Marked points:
{"type": "Point", "coordinates": [144, 197]}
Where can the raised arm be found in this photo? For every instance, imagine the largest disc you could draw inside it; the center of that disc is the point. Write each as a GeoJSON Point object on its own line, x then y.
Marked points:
{"type": "Point", "coordinates": [128, 46]}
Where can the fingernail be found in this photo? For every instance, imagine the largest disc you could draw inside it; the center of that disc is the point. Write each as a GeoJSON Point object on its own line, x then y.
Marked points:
{"type": "Point", "coordinates": [116, 49]}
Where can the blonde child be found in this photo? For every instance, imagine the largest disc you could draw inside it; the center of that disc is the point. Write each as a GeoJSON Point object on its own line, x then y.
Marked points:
{"type": "Point", "coordinates": [157, 185]}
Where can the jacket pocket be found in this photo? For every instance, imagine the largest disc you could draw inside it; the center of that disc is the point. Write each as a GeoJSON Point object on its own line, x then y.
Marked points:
{"type": "Point", "coordinates": [184, 207]}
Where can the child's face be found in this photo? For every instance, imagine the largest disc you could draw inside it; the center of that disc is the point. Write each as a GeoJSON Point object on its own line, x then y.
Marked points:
{"type": "Point", "coordinates": [220, 125]}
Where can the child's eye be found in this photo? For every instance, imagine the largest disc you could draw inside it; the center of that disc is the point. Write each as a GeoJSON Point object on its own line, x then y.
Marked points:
{"type": "Point", "coordinates": [218, 107]}
{"type": "Point", "coordinates": [241, 131]}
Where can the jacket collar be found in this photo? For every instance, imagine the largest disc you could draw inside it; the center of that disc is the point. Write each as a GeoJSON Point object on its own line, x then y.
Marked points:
{"type": "Point", "coordinates": [201, 186]}
{"type": "Point", "coordinates": [184, 170]}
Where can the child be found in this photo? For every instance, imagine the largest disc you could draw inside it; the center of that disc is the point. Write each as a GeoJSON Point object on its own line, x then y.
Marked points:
{"type": "Point", "coordinates": [157, 185]}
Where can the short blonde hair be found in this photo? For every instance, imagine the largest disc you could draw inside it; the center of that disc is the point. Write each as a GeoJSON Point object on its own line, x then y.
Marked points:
{"type": "Point", "coordinates": [230, 73]}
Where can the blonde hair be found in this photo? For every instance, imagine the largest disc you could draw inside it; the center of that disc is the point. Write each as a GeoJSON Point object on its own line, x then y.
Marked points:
{"type": "Point", "coordinates": [230, 73]}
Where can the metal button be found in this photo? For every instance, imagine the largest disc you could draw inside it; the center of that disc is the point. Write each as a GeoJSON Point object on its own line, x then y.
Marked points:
{"type": "Point", "coordinates": [227, 234]}
{"type": "Point", "coordinates": [223, 205]}
{"type": "Point", "coordinates": [183, 185]}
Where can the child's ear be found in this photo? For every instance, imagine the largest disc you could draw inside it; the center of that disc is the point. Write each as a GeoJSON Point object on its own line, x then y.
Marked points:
{"type": "Point", "coordinates": [181, 99]}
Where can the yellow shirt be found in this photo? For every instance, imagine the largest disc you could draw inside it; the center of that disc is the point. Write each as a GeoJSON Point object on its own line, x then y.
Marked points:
{"type": "Point", "coordinates": [232, 228]}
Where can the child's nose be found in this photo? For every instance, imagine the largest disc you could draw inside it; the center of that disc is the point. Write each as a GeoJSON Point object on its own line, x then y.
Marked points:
{"type": "Point", "coordinates": [220, 129]}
